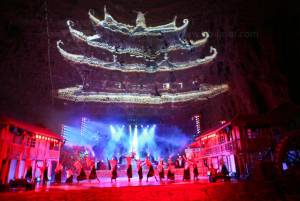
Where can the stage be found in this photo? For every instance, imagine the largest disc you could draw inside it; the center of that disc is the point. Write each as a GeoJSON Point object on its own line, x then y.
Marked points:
{"type": "Point", "coordinates": [152, 190]}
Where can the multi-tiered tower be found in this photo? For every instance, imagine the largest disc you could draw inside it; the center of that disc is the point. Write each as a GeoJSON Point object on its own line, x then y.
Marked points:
{"type": "Point", "coordinates": [121, 63]}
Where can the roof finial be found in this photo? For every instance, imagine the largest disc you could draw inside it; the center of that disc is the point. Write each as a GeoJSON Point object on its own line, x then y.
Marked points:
{"type": "Point", "coordinates": [174, 20]}
{"type": "Point", "coordinates": [105, 11]}
{"type": "Point", "coordinates": [140, 19]}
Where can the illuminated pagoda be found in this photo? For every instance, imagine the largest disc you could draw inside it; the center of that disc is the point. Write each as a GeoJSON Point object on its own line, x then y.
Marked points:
{"type": "Point", "coordinates": [121, 63]}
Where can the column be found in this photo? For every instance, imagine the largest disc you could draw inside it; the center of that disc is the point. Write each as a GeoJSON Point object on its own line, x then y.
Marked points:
{"type": "Point", "coordinates": [50, 169]}
{"type": "Point", "coordinates": [5, 171]}
{"type": "Point", "coordinates": [17, 168]}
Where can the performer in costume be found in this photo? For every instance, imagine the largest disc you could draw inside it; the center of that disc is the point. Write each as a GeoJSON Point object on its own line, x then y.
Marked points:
{"type": "Point", "coordinates": [28, 175]}
{"type": "Point", "coordinates": [170, 175]}
{"type": "Point", "coordinates": [93, 173]}
{"type": "Point", "coordinates": [82, 175]}
{"type": "Point", "coordinates": [186, 171]}
{"type": "Point", "coordinates": [151, 172]}
{"type": "Point", "coordinates": [44, 172]}
{"type": "Point", "coordinates": [195, 170]}
{"type": "Point", "coordinates": [69, 179]}
{"type": "Point", "coordinates": [139, 165]}
{"type": "Point", "coordinates": [113, 164]}
{"type": "Point", "coordinates": [161, 171]}
{"type": "Point", "coordinates": [129, 167]}
{"type": "Point", "coordinates": [58, 171]}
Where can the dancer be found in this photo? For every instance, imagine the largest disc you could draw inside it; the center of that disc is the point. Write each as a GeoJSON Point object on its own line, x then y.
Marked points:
{"type": "Point", "coordinates": [160, 168]}
{"type": "Point", "coordinates": [180, 162]}
{"type": "Point", "coordinates": [69, 179]}
{"type": "Point", "coordinates": [28, 175]}
{"type": "Point", "coordinates": [139, 165]}
{"type": "Point", "coordinates": [44, 172]}
{"type": "Point", "coordinates": [113, 164]}
{"type": "Point", "coordinates": [82, 175]}
{"type": "Point", "coordinates": [186, 171]}
{"type": "Point", "coordinates": [195, 170]}
{"type": "Point", "coordinates": [93, 173]}
{"type": "Point", "coordinates": [151, 170]}
{"type": "Point", "coordinates": [129, 167]}
{"type": "Point", "coordinates": [58, 171]}
{"type": "Point", "coordinates": [170, 175]}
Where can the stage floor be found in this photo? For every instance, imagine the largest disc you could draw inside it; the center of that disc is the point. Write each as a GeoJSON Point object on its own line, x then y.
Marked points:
{"type": "Point", "coordinates": [121, 182]}
{"type": "Point", "coordinates": [152, 190]}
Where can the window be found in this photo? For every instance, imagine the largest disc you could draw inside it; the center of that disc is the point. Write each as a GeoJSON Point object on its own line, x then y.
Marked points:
{"type": "Point", "coordinates": [180, 85]}
{"type": "Point", "coordinates": [27, 141]}
{"type": "Point", "coordinates": [54, 146]}
{"type": "Point", "coordinates": [118, 85]}
{"type": "Point", "coordinates": [51, 147]}
{"type": "Point", "coordinates": [205, 162]}
{"type": "Point", "coordinates": [251, 133]}
{"type": "Point", "coordinates": [221, 138]}
{"type": "Point", "coordinates": [32, 142]}
{"type": "Point", "coordinates": [166, 86]}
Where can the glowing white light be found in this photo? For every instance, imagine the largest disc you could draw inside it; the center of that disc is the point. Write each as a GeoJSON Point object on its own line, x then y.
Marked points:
{"type": "Point", "coordinates": [78, 95]}
{"type": "Point", "coordinates": [135, 141]}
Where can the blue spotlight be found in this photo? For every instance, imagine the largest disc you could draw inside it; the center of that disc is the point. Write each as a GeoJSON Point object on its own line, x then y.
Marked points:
{"type": "Point", "coordinates": [129, 146]}
{"type": "Point", "coordinates": [115, 134]}
{"type": "Point", "coordinates": [135, 141]}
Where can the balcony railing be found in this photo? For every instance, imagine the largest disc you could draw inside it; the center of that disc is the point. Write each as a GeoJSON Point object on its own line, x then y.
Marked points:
{"type": "Point", "coordinates": [219, 149]}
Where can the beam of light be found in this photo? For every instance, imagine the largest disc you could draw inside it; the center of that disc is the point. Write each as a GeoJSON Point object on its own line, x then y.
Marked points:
{"type": "Point", "coordinates": [135, 141]}
{"type": "Point", "coordinates": [107, 140]}
{"type": "Point", "coordinates": [152, 146]}
{"type": "Point", "coordinates": [116, 133]}
{"type": "Point", "coordinates": [130, 139]}
{"type": "Point", "coordinates": [143, 137]}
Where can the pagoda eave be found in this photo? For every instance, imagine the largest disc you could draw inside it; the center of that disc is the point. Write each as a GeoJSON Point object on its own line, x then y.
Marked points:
{"type": "Point", "coordinates": [77, 94]}
{"type": "Point", "coordinates": [110, 23]}
{"type": "Point", "coordinates": [94, 41]}
{"type": "Point", "coordinates": [161, 66]}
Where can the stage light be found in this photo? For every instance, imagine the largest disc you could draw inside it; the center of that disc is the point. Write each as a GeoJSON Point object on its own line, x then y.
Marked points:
{"type": "Point", "coordinates": [135, 141]}
{"type": "Point", "coordinates": [115, 133]}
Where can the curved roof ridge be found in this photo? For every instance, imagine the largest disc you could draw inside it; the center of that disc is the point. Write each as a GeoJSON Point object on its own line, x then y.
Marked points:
{"type": "Point", "coordinates": [140, 28]}
{"type": "Point", "coordinates": [95, 41]}
{"type": "Point", "coordinates": [95, 62]}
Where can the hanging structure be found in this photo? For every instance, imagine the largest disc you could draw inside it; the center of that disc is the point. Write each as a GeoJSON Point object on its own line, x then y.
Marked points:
{"type": "Point", "coordinates": [122, 63]}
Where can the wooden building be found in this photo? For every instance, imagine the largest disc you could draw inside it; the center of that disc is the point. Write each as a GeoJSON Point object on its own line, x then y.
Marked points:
{"type": "Point", "coordinates": [23, 144]}
{"type": "Point", "coordinates": [239, 143]}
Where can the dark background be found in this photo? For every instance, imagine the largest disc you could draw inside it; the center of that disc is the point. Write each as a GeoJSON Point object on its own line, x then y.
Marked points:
{"type": "Point", "coordinates": [257, 42]}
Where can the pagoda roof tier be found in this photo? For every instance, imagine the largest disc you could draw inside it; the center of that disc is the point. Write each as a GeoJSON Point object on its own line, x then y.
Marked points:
{"type": "Point", "coordinates": [140, 47]}
{"type": "Point", "coordinates": [77, 94]}
{"type": "Point", "coordinates": [164, 65]}
{"type": "Point", "coordinates": [140, 28]}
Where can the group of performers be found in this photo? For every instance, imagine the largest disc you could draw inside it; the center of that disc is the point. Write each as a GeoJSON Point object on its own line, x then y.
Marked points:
{"type": "Point", "coordinates": [43, 171]}
{"type": "Point", "coordinates": [160, 169]}
{"type": "Point", "coordinates": [187, 164]}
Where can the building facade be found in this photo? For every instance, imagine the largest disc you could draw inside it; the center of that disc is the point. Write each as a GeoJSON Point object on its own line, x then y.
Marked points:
{"type": "Point", "coordinates": [23, 145]}
{"type": "Point", "coordinates": [240, 144]}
